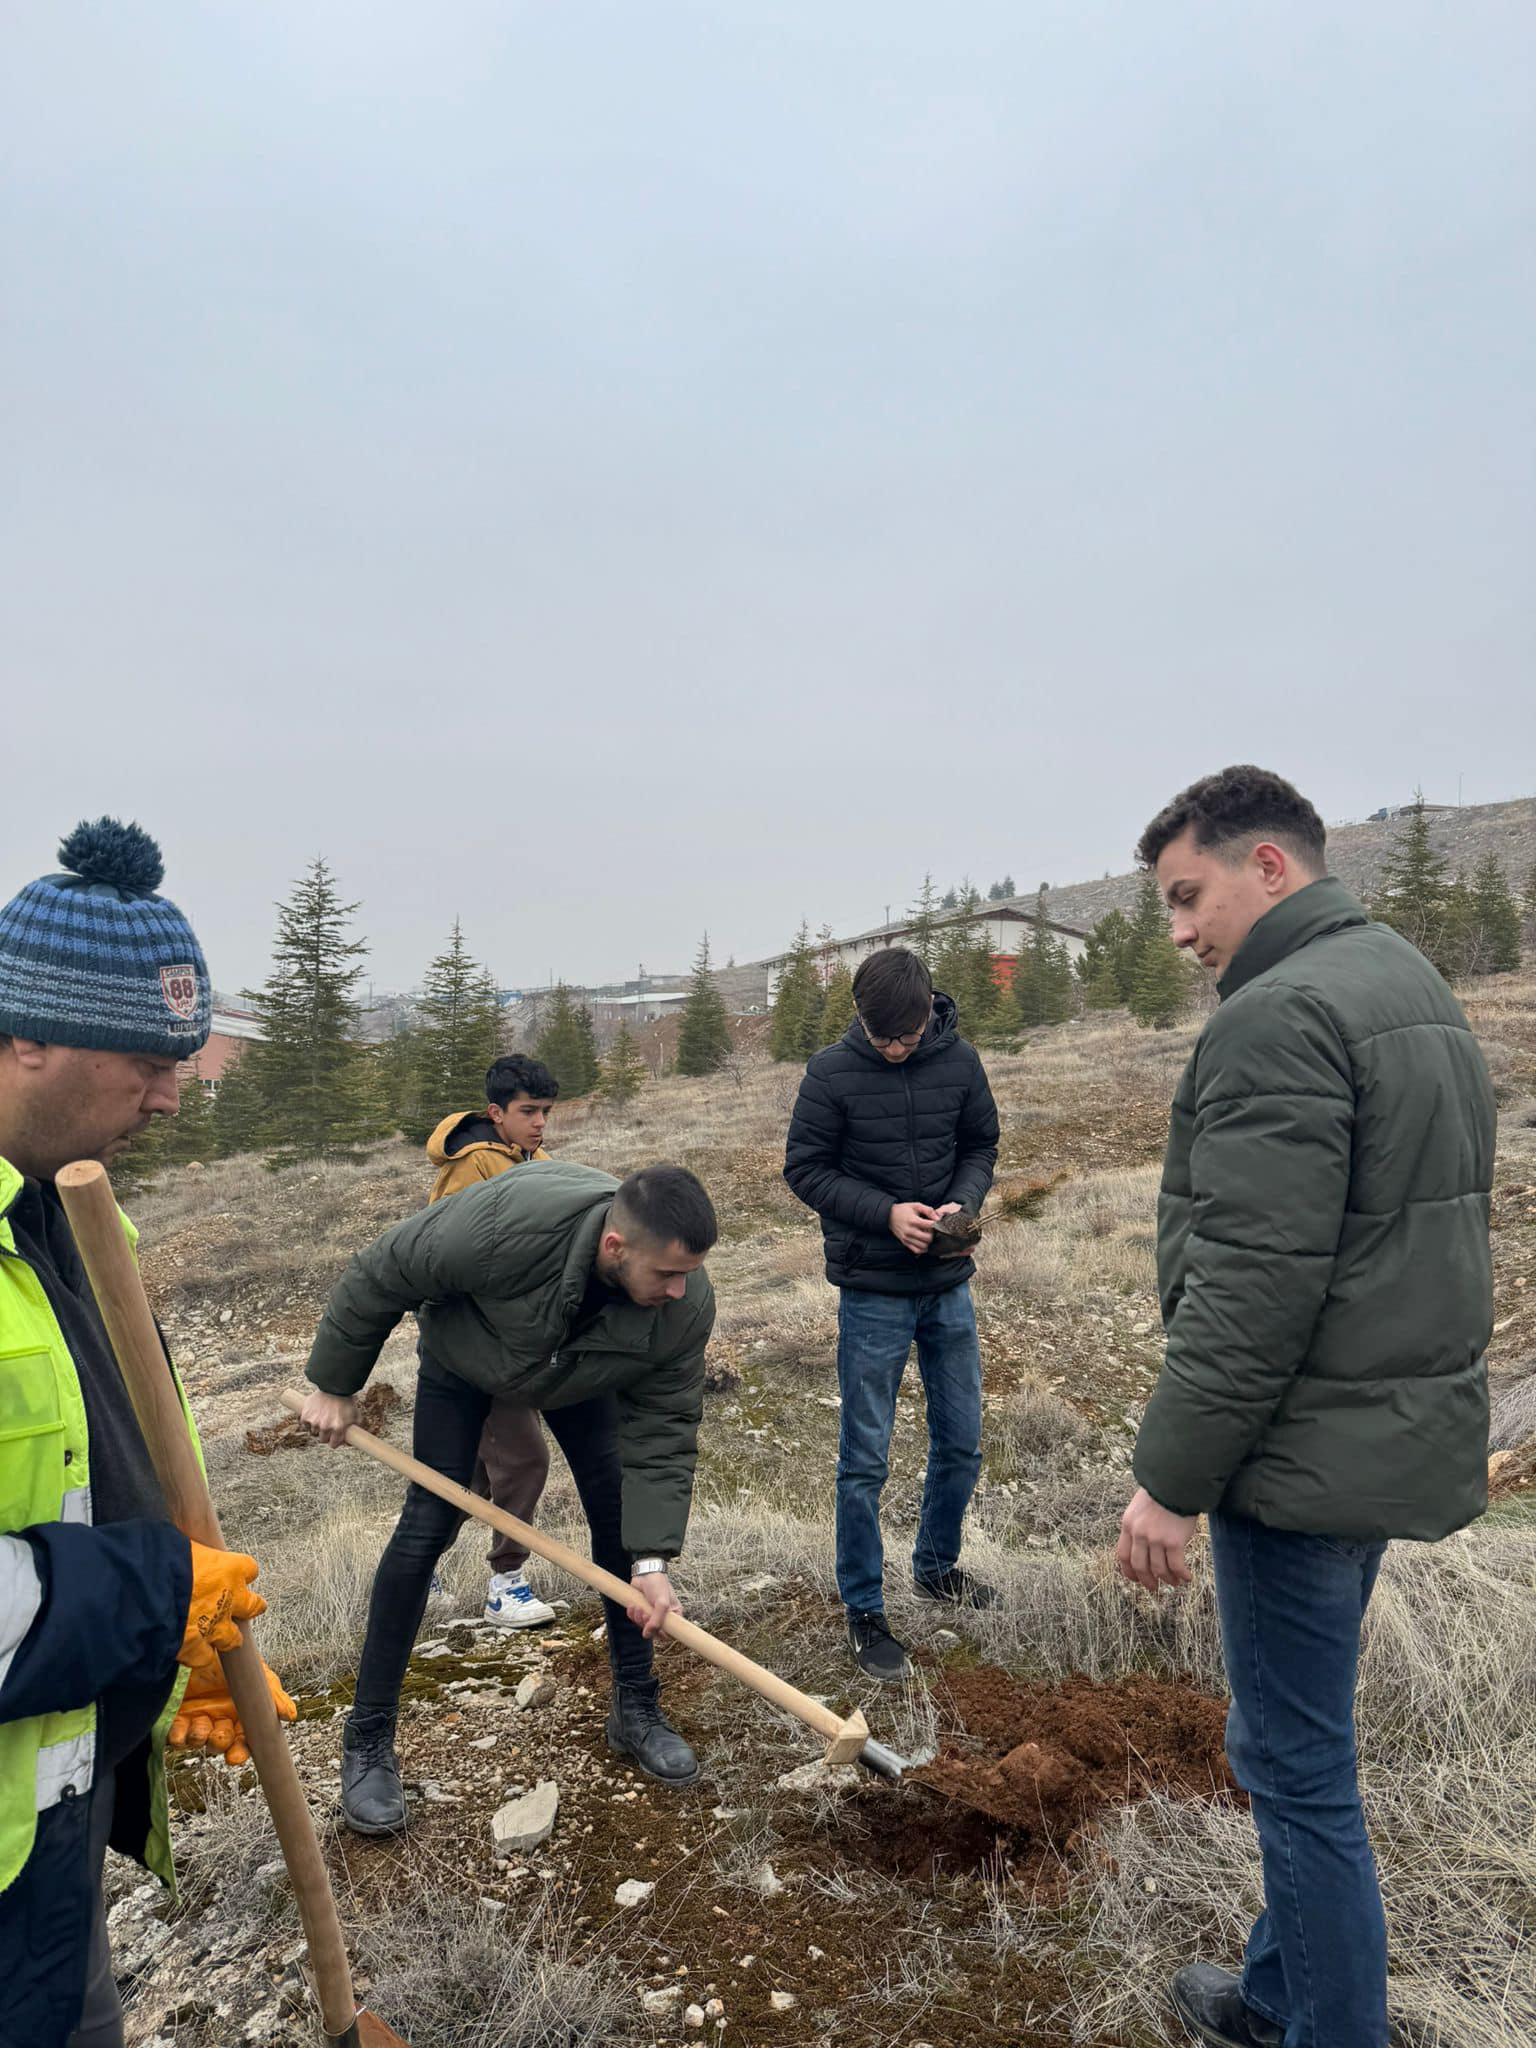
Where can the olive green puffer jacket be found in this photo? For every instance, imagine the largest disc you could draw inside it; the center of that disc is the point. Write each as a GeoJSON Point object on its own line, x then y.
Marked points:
{"type": "Point", "coordinates": [1323, 1241]}
{"type": "Point", "coordinates": [498, 1277]}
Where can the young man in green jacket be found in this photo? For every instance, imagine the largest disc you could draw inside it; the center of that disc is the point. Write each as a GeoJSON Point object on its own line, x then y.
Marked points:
{"type": "Point", "coordinates": [1327, 1294]}
{"type": "Point", "coordinates": [559, 1288]}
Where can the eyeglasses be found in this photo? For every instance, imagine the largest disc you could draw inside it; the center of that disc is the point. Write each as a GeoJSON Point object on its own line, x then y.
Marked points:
{"type": "Point", "coordinates": [909, 1039]}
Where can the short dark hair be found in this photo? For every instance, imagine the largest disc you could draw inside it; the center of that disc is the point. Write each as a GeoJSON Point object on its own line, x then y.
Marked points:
{"type": "Point", "coordinates": [515, 1074]}
{"type": "Point", "coordinates": [1237, 808]}
{"type": "Point", "coordinates": [669, 1205]}
{"type": "Point", "coordinates": [892, 991]}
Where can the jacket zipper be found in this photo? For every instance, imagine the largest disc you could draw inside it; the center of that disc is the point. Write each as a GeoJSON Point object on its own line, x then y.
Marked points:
{"type": "Point", "coordinates": [906, 1082]}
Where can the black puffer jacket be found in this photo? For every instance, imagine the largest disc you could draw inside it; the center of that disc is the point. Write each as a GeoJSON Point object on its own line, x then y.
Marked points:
{"type": "Point", "coordinates": [866, 1135]}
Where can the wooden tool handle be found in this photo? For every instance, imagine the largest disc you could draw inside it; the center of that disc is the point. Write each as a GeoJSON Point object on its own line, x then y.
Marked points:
{"type": "Point", "coordinates": [88, 1201]}
{"type": "Point", "coordinates": [778, 1690]}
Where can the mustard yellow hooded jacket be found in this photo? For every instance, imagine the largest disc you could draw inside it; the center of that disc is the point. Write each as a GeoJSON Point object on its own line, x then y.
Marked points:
{"type": "Point", "coordinates": [466, 1150]}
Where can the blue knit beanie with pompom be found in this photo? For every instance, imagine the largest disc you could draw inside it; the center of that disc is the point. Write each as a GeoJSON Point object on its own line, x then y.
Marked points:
{"type": "Point", "coordinates": [93, 957]}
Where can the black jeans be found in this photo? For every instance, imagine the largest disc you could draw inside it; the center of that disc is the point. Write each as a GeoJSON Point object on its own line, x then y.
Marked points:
{"type": "Point", "coordinates": [450, 1415]}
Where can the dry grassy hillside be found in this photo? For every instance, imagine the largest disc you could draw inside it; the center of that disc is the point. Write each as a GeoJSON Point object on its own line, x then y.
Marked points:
{"type": "Point", "coordinates": [882, 1915]}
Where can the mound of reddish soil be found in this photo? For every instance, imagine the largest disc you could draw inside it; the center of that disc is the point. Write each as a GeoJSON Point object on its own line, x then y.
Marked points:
{"type": "Point", "coordinates": [1044, 1759]}
{"type": "Point", "coordinates": [291, 1435]}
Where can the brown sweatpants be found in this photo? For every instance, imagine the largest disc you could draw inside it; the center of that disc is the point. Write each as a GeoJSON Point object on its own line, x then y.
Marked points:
{"type": "Point", "coordinates": [512, 1468]}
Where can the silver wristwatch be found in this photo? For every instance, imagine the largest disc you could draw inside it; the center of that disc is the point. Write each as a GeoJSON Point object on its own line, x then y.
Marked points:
{"type": "Point", "coordinates": [643, 1566]}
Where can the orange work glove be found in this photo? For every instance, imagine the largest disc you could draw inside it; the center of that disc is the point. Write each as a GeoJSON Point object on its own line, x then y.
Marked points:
{"type": "Point", "coordinates": [221, 1597]}
{"type": "Point", "coordinates": [207, 1719]}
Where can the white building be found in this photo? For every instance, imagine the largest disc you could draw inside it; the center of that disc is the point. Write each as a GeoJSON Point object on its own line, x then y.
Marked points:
{"type": "Point", "coordinates": [1003, 923]}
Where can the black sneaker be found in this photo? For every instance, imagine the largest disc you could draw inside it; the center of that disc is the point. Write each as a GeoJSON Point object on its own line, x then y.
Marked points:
{"type": "Point", "coordinates": [372, 1797]}
{"type": "Point", "coordinates": [875, 1650]}
{"type": "Point", "coordinates": [1210, 2003]}
{"type": "Point", "coordinates": [957, 1588]}
{"type": "Point", "coordinates": [638, 1729]}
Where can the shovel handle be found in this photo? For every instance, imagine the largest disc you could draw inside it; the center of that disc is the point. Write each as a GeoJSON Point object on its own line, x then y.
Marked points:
{"type": "Point", "coordinates": [840, 1730]}
{"type": "Point", "coordinates": [86, 1193]}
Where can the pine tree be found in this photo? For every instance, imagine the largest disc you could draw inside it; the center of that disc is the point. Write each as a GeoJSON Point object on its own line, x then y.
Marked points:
{"type": "Point", "coordinates": [704, 1031]}
{"type": "Point", "coordinates": [1101, 991]}
{"type": "Point", "coordinates": [923, 938]}
{"type": "Point", "coordinates": [795, 1030]}
{"type": "Point", "coordinates": [135, 1167]}
{"type": "Point", "coordinates": [950, 900]}
{"type": "Point", "coordinates": [837, 1006]}
{"type": "Point", "coordinates": [236, 1120]}
{"type": "Point", "coordinates": [1008, 887]}
{"type": "Point", "coordinates": [461, 1017]}
{"type": "Point", "coordinates": [310, 1071]}
{"type": "Point", "coordinates": [1456, 947]}
{"type": "Point", "coordinates": [566, 1046]}
{"type": "Point", "coordinates": [623, 1072]}
{"type": "Point", "coordinates": [189, 1134]}
{"type": "Point", "coordinates": [586, 1039]}
{"type": "Point", "coordinates": [1161, 988]}
{"type": "Point", "coordinates": [964, 968]}
{"type": "Point", "coordinates": [1414, 896]}
{"type": "Point", "coordinates": [1159, 980]}
{"type": "Point", "coordinates": [1042, 980]}
{"type": "Point", "coordinates": [1493, 937]}
{"type": "Point", "coordinates": [1107, 962]}
{"type": "Point", "coordinates": [399, 1081]}
{"type": "Point", "coordinates": [443, 1060]}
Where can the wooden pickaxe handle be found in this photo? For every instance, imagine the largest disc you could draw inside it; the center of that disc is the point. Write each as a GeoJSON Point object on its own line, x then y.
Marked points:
{"type": "Point", "coordinates": [86, 1193]}
{"type": "Point", "coordinates": [847, 1735]}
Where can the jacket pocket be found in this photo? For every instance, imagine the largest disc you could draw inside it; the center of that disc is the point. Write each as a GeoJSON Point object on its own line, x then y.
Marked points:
{"type": "Point", "coordinates": [29, 1413]}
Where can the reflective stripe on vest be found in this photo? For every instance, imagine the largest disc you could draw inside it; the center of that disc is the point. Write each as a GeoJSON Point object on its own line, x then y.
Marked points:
{"type": "Point", "coordinates": [21, 1595]}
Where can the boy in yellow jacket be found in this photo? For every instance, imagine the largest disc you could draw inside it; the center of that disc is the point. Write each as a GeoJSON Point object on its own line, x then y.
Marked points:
{"type": "Point", "coordinates": [467, 1148]}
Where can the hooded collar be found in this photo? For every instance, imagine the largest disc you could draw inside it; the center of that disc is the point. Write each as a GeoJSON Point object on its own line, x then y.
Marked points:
{"type": "Point", "coordinates": [943, 1028]}
{"type": "Point", "coordinates": [1312, 913]}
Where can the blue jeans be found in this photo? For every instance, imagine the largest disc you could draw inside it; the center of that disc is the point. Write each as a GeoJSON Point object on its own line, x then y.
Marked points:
{"type": "Point", "coordinates": [1291, 1609]}
{"type": "Point", "coordinates": [875, 1335]}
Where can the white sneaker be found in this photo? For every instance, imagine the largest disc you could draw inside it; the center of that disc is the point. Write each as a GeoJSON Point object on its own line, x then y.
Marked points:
{"type": "Point", "coordinates": [512, 1603]}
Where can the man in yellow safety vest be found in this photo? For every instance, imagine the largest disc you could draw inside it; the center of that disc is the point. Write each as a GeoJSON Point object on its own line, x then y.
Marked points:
{"type": "Point", "coordinates": [110, 1619]}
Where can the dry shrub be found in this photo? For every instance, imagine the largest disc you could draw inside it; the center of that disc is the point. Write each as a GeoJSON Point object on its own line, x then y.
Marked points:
{"type": "Point", "coordinates": [460, 1977]}
{"type": "Point", "coordinates": [1033, 1428]}
{"type": "Point", "coordinates": [1095, 1233]}
{"type": "Point", "coordinates": [444, 1970]}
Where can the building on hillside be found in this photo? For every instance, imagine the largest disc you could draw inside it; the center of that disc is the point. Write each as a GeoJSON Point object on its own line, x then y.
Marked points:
{"type": "Point", "coordinates": [232, 1032]}
{"type": "Point", "coordinates": [609, 1012]}
{"type": "Point", "coordinates": [1005, 925]}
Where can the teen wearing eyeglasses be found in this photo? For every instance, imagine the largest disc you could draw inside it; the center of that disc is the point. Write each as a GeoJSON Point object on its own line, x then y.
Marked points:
{"type": "Point", "coordinates": [894, 1127]}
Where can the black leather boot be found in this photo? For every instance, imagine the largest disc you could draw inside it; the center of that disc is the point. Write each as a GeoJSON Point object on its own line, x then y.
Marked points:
{"type": "Point", "coordinates": [1210, 2004]}
{"type": "Point", "coordinates": [372, 1797]}
{"type": "Point", "coordinates": [638, 1729]}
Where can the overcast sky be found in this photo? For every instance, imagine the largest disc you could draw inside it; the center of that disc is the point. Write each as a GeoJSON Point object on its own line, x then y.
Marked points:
{"type": "Point", "coordinates": [609, 470]}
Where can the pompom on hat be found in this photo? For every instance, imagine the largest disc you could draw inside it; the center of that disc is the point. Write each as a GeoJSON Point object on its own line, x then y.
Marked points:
{"type": "Point", "coordinates": [93, 957]}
